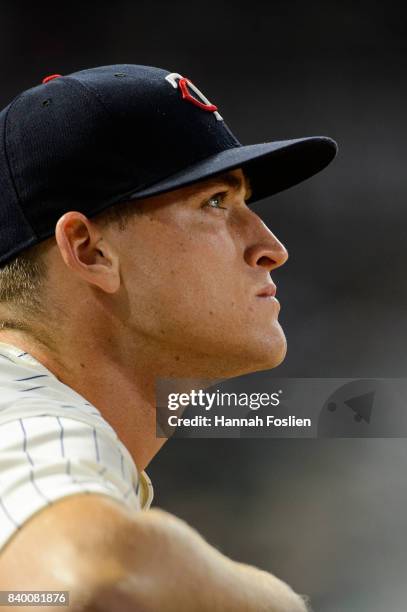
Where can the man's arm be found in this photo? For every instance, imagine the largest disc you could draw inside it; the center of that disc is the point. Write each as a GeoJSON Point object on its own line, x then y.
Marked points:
{"type": "Point", "coordinates": [112, 559]}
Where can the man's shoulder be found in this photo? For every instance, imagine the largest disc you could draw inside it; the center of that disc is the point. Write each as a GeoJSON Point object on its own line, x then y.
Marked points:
{"type": "Point", "coordinates": [46, 457]}
{"type": "Point", "coordinates": [29, 406]}
{"type": "Point", "coordinates": [29, 389]}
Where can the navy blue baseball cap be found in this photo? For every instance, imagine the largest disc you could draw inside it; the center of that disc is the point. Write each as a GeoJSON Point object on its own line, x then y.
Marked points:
{"type": "Point", "coordinates": [97, 137]}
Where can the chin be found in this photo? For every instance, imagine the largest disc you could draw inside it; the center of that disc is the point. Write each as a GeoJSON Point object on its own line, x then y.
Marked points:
{"type": "Point", "coordinates": [272, 353]}
{"type": "Point", "coordinates": [281, 356]}
{"type": "Point", "coordinates": [259, 354]}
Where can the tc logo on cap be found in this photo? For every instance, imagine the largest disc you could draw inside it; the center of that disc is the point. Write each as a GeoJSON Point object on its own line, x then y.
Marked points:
{"type": "Point", "coordinates": [184, 85]}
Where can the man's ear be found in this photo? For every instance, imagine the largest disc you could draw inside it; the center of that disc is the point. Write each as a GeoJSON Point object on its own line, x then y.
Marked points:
{"type": "Point", "coordinates": [87, 251]}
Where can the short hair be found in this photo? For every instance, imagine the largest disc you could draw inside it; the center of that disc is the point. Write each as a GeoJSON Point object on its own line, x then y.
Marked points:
{"type": "Point", "coordinates": [22, 279]}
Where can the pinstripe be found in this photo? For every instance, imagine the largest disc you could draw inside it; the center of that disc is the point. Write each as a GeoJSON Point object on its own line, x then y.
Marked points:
{"type": "Point", "coordinates": [61, 436]}
{"type": "Point", "coordinates": [74, 480]}
{"type": "Point", "coordinates": [6, 512]}
{"type": "Point", "coordinates": [5, 357]}
{"type": "Point", "coordinates": [71, 464]}
{"type": "Point", "coordinates": [31, 377]}
{"type": "Point", "coordinates": [68, 471]}
{"type": "Point", "coordinates": [94, 413]}
{"type": "Point", "coordinates": [37, 488]}
{"type": "Point", "coordinates": [25, 442]}
{"type": "Point", "coordinates": [76, 408]}
{"type": "Point", "coordinates": [96, 445]}
{"type": "Point", "coordinates": [122, 463]}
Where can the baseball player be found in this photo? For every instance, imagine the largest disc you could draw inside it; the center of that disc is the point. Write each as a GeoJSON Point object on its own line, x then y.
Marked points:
{"type": "Point", "coordinates": [128, 251]}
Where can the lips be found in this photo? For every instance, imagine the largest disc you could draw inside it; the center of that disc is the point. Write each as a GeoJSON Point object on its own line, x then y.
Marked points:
{"type": "Point", "coordinates": [268, 291]}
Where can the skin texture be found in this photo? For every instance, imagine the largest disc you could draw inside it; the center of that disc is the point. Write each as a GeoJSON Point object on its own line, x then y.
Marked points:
{"type": "Point", "coordinates": [174, 295]}
{"type": "Point", "coordinates": [143, 562]}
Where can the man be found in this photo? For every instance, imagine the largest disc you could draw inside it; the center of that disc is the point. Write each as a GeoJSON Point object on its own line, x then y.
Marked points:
{"type": "Point", "coordinates": [134, 199]}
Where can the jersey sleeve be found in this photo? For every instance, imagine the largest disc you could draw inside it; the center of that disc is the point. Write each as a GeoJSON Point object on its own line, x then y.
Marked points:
{"type": "Point", "coordinates": [46, 458]}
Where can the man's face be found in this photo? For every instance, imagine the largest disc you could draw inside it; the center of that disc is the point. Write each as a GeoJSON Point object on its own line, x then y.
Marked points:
{"type": "Point", "coordinates": [194, 264]}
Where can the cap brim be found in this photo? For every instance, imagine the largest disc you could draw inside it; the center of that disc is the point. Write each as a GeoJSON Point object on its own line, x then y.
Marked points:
{"type": "Point", "coordinates": [271, 166]}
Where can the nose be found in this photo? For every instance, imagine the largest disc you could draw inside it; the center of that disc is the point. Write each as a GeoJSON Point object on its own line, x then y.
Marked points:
{"type": "Point", "coordinates": [266, 250]}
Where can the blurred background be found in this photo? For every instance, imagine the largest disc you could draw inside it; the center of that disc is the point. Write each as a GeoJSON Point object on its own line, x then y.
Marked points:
{"type": "Point", "coordinates": [328, 516]}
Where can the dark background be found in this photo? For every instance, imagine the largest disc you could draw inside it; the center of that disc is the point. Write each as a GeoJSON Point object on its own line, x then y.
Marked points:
{"type": "Point", "coordinates": [328, 516]}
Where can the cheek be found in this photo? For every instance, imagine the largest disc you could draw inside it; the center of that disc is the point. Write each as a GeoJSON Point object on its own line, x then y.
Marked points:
{"type": "Point", "coordinates": [190, 256]}
{"type": "Point", "coordinates": [178, 276]}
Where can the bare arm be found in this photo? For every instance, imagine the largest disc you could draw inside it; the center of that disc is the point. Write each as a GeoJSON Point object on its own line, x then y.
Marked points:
{"type": "Point", "coordinates": [111, 559]}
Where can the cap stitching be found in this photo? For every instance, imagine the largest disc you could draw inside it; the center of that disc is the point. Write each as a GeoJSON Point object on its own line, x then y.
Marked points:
{"type": "Point", "coordinates": [6, 153]}
{"type": "Point", "coordinates": [94, 93]}
{"type": "Point", "coordinates": [29, 242]}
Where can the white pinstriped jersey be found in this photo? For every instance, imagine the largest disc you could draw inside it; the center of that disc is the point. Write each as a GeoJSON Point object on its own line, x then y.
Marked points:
{"type": "Point", "coordinates": [53, 443]}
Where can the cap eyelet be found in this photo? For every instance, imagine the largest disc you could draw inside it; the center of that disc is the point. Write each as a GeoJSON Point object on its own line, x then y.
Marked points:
{"type": "Point", "coordinates": [120, 74]}
{"type": "Point", "coordinates": [47, 102]}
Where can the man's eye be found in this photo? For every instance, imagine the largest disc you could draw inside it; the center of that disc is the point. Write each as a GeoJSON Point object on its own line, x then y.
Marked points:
{"type": "Point", "coordinates": [215, 201]}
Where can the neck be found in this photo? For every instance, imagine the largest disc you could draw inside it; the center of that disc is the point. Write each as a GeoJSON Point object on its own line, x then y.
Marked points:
{"type": "Point", "coordinates": [115, 367]}
{"type": "Point", "coordinates": [118, 385]}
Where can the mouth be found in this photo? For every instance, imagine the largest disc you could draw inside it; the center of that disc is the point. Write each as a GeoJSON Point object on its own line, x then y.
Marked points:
{"type": "Point", "coordinates": [268, 292]}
